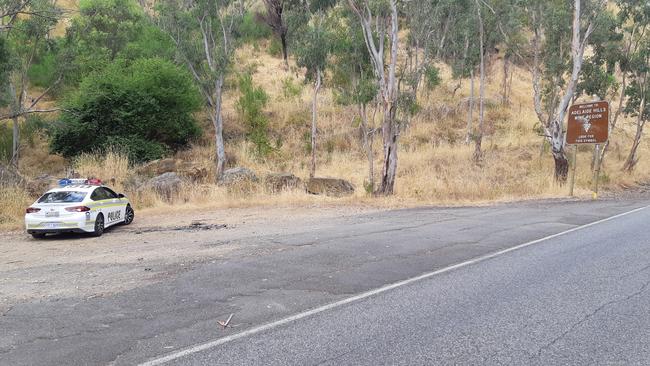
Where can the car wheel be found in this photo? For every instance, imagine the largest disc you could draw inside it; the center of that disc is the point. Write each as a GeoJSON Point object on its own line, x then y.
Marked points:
{"type": "Point", "coordinates": [38, 235]}
{"type": "Point", "coordinates": [129, 215]}
{"type": "Point", "coordinates": [99, 225]}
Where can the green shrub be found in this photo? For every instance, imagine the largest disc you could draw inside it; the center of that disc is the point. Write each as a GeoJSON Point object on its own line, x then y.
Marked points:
{"type": "Point", "coordinates": [291, 90]}
{"type": "Point", "coordinates": [432, 77]}
{"type": "Point", "coordinates": [275, 48]}
{"type": "Point", "coordinates": [145, 108]}
{"type": "Point", "coordinates": [250, 104]}
{"type": "Point", "coordinates": [33, 125]}
{"type": "Point", "coordinates": [44, 72]}
{"type": "Point", "coordinates": [6, 141]}
{"type": "Point", "coordinates": [250, 29]}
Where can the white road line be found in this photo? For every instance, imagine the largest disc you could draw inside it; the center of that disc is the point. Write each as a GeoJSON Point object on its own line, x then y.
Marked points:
{"type": "Point", "coordinates": [364, 295]}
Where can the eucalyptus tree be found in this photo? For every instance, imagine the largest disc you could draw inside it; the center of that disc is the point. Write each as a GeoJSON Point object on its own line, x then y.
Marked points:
{"type": "Point", "coordinates": [379, 21]}
{"type": "Point", "coordinates": [24, 35]}
{"type": "Point", "coordinates": [275, 18]}
{"type": "Point", "coordinates": [203, 32]}
{"type": "Point", "coordinates": [636, 15]}
{"type": "Point", "coordinates": [312, 48]}
{"type": "Point", "coordinates": [561, 33]}
{"type": "Point", "coordinates": [353, 81]}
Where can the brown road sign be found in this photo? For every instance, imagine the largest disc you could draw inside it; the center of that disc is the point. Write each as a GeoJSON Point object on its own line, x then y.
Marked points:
{"type": "Point", "coordinates": [588, 123]}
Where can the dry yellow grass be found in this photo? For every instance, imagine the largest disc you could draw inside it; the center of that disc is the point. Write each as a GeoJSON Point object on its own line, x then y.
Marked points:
{"type": "Point", "coordinates": [435, 165]}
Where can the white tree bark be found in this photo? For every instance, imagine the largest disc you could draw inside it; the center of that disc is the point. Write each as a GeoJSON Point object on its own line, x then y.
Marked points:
{"type": "Point", "coordinates": [314, 117]}
{"type": "Point", "coordinates": [374, 35]}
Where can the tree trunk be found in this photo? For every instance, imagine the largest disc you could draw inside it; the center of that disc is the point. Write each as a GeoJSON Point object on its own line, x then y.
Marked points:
{"type": "Point", "coordinates": [631, 160]}
{"type": "Point", "coordinates": [314, 130]}
{"type": "Point", "coordinates": [470, 112]}
{"type": "Point", "coordinates": [505, 100]}
{"type": "Point", "coordinates": [389, 134]}
{"type": "Point", "coordinates": [15, 146]}
{"type": "Point", "coordinates": [217, 120]}
{"type": "Point", "coordinates": [368, 140]}
{"type": "Point", "coordinates": [561, 167]}
{"type": "Point", "coordinates": [389, 126]}
{"type": "Point", "coordinates": [556, 139]}
{"type": "Point", "coordinates": [285, 52]}
{"type": "Point", "coordinates": [478, 153]}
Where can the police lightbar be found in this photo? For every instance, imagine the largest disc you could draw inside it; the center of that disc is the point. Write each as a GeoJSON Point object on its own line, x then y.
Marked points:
{"type": "Point", "coordinates": [67, 181]}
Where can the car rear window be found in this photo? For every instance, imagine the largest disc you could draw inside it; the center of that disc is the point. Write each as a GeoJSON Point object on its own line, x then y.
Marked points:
{"type": "Point", "coordinates": [62, 197]}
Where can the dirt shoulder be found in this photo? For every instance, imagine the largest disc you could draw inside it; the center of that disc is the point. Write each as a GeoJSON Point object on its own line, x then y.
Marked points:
{"type": "Point", "coordinates": [152, 248]}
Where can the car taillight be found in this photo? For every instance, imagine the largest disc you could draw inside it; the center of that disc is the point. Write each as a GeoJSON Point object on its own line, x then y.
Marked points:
{"type": "Point", "coordinates": [32, 210]}
{"type": "Point", "coordinates": [77, 209]}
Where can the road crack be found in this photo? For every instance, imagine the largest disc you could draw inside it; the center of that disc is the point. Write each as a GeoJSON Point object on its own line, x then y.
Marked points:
{"type": "Point", "coordinates": [584, 319]}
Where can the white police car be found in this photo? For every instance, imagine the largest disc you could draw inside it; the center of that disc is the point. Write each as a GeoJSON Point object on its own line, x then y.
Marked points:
{"type": "Point", "coordinates": [78, 205]}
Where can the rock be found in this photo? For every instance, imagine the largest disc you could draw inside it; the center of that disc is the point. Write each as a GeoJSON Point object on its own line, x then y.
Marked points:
{"type": "Point", "coordinates": [9, 177]}
{"type": "Point", "coordinates": [278, 182]}
{"type": "Point", "coordinates": [165, 184]}
{"type": "Point", "coordinates": [40, 184]}
{"type": "Point", "coordinates": [236, 175]}
{"type": "Point", "coordinates": [330, 187]}
{"type": "Point", "coordinates": [158, 167]}
{"type": "Point", "coordinates": [192, 171]}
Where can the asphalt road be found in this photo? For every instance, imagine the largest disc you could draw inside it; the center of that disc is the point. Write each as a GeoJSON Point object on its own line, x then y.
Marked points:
{"type": "Point", "coordinates": [579, 298]}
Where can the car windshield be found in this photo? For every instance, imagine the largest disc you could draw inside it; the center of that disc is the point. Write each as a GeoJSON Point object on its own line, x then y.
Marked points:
{"type": "Point", "coordinates": [62, 197]}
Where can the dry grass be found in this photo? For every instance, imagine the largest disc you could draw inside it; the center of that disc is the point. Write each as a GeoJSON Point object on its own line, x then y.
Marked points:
{"type": "Point", "coordinates": [111, 167]}
{"type": "Point", "coordinates": [435, 165]}
{"type": "Point", "coordinates": [13, 201]}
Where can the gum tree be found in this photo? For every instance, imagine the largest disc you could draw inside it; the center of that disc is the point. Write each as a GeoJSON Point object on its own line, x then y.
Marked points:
{"type": "Point", "coordinates": [379, 21]}
{"type": "Point", "coordinates": [560, 36]}
{"type": "Point", "coordinates": [203, 32]}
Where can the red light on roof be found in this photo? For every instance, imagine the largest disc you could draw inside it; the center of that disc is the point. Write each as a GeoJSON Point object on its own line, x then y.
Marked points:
{"type": "Point", "coordinates": [94, 182]}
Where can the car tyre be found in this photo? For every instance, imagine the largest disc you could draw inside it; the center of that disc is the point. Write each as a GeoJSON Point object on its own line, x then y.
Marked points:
{"type": "Point", "coordinates": [99, 226]}
{"type": "Point", "coordinates": [129, 215]}
{"type": "Point", "coordinates": [38, 235]}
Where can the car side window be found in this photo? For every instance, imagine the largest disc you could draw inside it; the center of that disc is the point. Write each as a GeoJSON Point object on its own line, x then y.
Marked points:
{"type": "Point", "coordinates": [96, 195]}
{"type": "Point", "coordinates": [110, 193]}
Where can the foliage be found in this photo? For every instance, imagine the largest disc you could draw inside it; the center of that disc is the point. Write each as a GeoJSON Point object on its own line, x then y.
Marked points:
{"type": "Point", "coordinates": [250, 29]}
{"type": "Point", "coordinates": [5, 70]}
{"type": "Point", "coordinates": [110, 30]}
{"type": "Point", "coordinates": [313, 46]}
{"type": "Point", "coordinates": [144, 107]}
{"type": "Point", "coordinates": [291, 90]}
{"type": "Point", "coordinates": [250, 107]}
{"type": "Point", "coordinates": [432, 77]}
{"type": "Point", "coordinates": [6, 139]}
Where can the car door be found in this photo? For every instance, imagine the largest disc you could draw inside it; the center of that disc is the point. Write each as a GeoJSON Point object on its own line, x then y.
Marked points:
{"type": "Point", "coordinates": [117, 207]}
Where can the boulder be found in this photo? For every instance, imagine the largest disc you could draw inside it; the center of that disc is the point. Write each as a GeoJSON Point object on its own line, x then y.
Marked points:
{"type": "Point", "coordinates": [236, 175]}
{"type": "Point", "coordinates": [278, 182]}
{"type": "Point", "coordinates": [192, 171]}
{"type": "Point", "coordinates": [166, 184]}
{"type": "Point", "coordinates": [158, 167]}
{"type": "Point", "coordinates": [40, 184]}
{"type": "Point", "coordinates": [330, 187]}
{"type": "Point", "coordinates": [9, 177]}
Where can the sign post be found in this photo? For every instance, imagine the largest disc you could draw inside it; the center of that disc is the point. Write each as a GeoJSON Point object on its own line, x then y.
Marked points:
{"type": "Point", "coordinates": [588, 124]}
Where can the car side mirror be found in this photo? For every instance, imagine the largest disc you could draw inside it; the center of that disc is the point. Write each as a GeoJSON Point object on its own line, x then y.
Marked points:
{"type": "Point", "coordinates": [120, 195]}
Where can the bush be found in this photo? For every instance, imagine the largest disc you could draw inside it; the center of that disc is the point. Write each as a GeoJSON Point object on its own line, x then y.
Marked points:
{"type": "Point", "coordinates": [291, 90]}
{"type": "Point", "coordinates": [250, 104]}
{"type": "Point", "coordinates": [251, 29]}
{"type": "Point", "coordinates": [144, 108]}
{"type": "Point", "coordinates": [6, 141]}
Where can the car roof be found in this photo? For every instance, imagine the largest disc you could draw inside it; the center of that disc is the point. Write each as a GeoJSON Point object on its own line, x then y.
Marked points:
{"type": "Point", "coordinates": [76, 187]}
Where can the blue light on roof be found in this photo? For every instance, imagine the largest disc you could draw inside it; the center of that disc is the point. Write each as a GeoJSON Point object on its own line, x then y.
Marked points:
{"type": "Point", "coordinates": [64, 182]}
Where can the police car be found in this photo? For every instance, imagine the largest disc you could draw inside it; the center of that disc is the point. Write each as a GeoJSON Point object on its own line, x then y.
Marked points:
{"type": "Point", "coordinates": [77, 205]}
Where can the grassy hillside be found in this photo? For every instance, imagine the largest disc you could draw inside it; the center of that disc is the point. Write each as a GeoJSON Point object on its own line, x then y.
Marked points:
{"type": "Point", "coordinates": [435, 165]}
